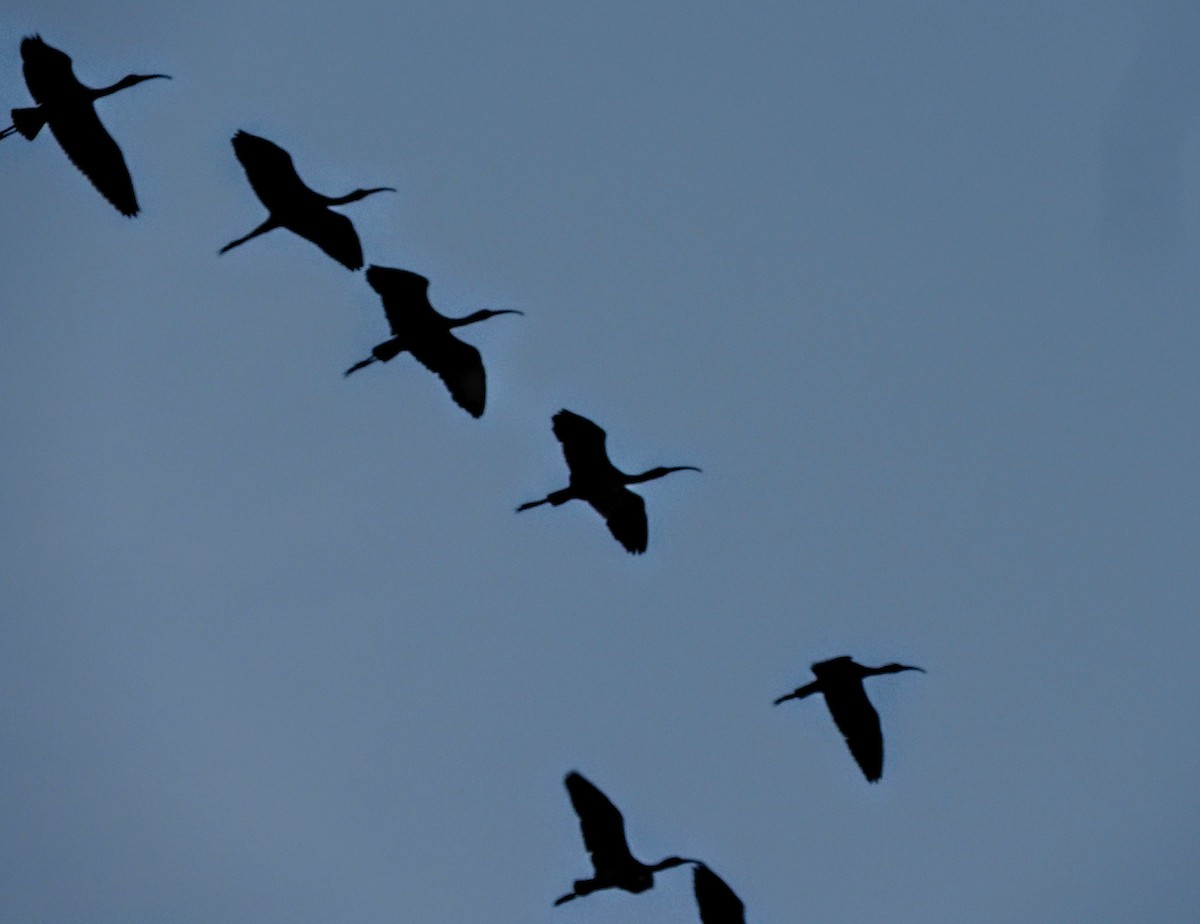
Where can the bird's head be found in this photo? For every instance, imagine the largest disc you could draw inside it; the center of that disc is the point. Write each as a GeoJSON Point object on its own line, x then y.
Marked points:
{"type": "Point", "coordinates": [363, 193]}
{"type": "Point", "coordinates": [660, 471]}
{"type": "Point", "coordinates": [132, 80]}
{"type": "Point", "coordinates": [483, 314]}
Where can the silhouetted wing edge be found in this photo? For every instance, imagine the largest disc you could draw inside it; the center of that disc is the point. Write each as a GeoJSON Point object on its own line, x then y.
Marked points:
{"type": "Point", "coordinates": [625, 513]}
{"type": "Point", "coordinates": [582, 441]}
{"type": "Point", "coordinates": [459, 366]}
{"type": "Point", "coordinates": [92, 149]}
{"type": "Point", "coordinates": [600, 821]}
{"type": "Point", "coordinates": [333, 233]}
{"type": "Point", "coordinates": [858, 722]}
{"type": "Point", "coordinates": [718, 903]}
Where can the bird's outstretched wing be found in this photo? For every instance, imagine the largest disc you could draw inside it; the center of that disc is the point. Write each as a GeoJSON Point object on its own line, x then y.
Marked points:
{"type": "Point", "coordinates": [92, 149]}
{"type": "Point", "coordinates": [333, 233]}
{"type": "Point", "coordinates": [582, 442]}
{"type": "Point", "coordinates": [270, 170]}
{"type": "Point", "coordinates": [457, 364]}
{"type": "Point", "coordinates": [601, 823]}
{"type": "Point", "coordinates": [47, 70]}
{"type": "Point", "coordinates": [858, 722]}
{"type": "Point", "coordinates": [625, 513]}
{"type": "Point", "coordinates": [718, 903]}
{"type": "Point", "coordinates": [405, 297]}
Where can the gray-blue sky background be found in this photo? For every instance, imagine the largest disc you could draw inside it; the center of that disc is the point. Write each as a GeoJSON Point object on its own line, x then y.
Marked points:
{"type": "Point", "coordinates": [914, 284]}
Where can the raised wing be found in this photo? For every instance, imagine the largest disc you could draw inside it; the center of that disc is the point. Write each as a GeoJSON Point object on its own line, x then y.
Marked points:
{"type": "Point", "coordinates": [625, 514]}
{"type": "Point", "coordinates": [582, 443]}
{"type": "Point", "coordinates": [405, 297]}
{"type": "Point", "coordinates": [718, 903]}
{"type": "Point", "coordinates": [457, 364]}
{"type": "Point", "coordinates": [94, 152]}
{"type": "Point", "coordinates": [602, 825]}
{"type": "Point", "coordinates": [47, 70]}
{"type": "Point", "coordinates": [858, 722]}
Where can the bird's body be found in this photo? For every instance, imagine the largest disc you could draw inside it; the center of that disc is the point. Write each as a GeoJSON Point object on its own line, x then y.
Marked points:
{"type": "Point", "coordinates": [67, 106]}
{"type": "Point", "coordinates": [293, 205]}
{"type": "Point", "coordinates": [604, 837]}
{"type": "Point", "coordinates": [421, 330]}
{"type": "Point", "coordinates": [840, 681]}
{"type": "Point", "coordinates": [594, 479]}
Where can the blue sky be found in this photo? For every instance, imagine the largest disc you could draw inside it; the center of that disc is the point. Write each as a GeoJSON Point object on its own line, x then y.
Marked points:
{"type": "Point", "coordinates": [915, 288]}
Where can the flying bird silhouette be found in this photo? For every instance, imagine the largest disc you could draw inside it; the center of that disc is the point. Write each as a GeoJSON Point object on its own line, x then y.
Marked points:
{"type": "Point", "coordinates": [604, 837]}
{"type": "Point", "coordinates": [718, 903]}
{"type": "Point", "coordinates": [66, 105]}
{"type": "Point", "coordinates": [424, 332]}
{"type": "Point", "coordinates": [840, 679]}
{"type": "Point", "coordinates": [293, 205]}
{"type": "Point", "coordinates": [593, 478]}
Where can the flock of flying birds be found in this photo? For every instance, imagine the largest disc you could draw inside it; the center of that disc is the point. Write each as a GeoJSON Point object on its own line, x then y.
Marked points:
{"type": "Point", "coordinates": [66, 106]}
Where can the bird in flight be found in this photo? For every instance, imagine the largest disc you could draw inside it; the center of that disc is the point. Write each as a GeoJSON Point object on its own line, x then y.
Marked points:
{"type": "Point", "coordinates": [594, 479]}
{"type": "Point", "coordinates": [294, 206]}
{"type": "Point", "coordinates": [840, 680]}
{"type": "Point", "coordinates": [604, 837]}
{"type": "Point", "coordinates": [66, 105]}
{"type": "Point", "coordinates": [421, 330]}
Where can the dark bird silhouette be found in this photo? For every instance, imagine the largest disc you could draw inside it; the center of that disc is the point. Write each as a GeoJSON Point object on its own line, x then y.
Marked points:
{"type": "Point", "coordinates": [840, 679]}
{"type": "Point", "coordinates": [718, 903]}
{"type": "Point", "coordinates": [604, 837]}
{"type": "Point", "coordinates": [425, 333]}
{"type": "Point", "coordinates": [293, 205]}
{"type": "Point", "coordinates": [66, 105]}
{"type": "Point", "coordinates": [593, 478]}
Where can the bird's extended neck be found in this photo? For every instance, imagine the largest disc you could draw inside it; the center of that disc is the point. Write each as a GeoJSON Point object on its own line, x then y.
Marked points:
{"type": "Point", "coordinates": [481, 315]}
{"type": "Point", "coordinates": [356, 195]}
{"type": "Point", "coordinates": [892, 668]}
{"type": "Point", "coordinates": [129, 80]}
{"type": "Point", "coordinates": [658, 473]}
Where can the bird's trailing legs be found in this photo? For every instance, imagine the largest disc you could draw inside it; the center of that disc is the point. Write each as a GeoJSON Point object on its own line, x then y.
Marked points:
{"type": "Point", "coordinates": [269, 225]}
{"type": "Point", "coordinates": [800, 692]}
{"type": "Point", "coordinates": [383, 352]}
{"type": "Point", "coordinates": [557, 498]}
{"type": "Point", "coordinates": [28, 121]}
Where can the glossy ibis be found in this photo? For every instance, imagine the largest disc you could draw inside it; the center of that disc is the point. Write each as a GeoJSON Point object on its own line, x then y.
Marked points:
{"type": "Point", "coordinates": [604, 837]}
{"type": "Point", "coordinates": [293, 205]}
{"type": "Point", "coordinates": [840, 679]}
{"type": "Point", "coordinates": [66, 105]}
{"type": "Point", "coordinates": [593, 478]}
{"type": "Point", "coordinates": [424, 332]}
